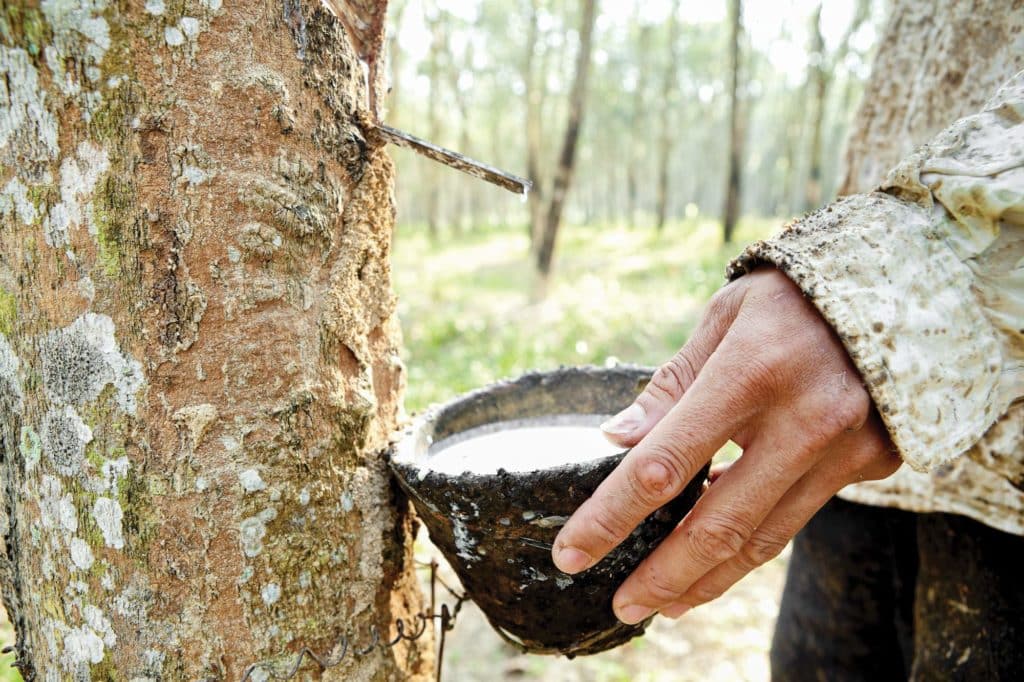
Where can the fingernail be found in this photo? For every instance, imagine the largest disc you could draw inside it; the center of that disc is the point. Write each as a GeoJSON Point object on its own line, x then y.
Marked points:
{"type": "Point", "coordinates": [631, 614]}
{"type": "Point", "coordinates": [675, 610]}
{"type": "Point", "coordinates": [571, 560]}
{"type": "Point", "coordinates": [625, 422]}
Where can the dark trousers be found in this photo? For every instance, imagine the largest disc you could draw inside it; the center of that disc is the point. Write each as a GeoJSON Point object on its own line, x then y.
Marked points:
{"type": "Point", "coordinates": [880, 594]}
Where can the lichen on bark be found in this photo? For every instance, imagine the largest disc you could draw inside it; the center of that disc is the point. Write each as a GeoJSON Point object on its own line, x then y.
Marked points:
{"type": "Point", "coordinates": [199, 357]}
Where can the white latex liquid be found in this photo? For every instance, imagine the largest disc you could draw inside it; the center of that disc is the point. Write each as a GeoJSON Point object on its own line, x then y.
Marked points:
{"type": "Point", "coordinates": [523, 445]}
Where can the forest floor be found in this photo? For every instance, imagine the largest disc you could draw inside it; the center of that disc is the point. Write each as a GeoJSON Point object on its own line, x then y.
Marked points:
{"type": "Point", "coordinates": [618, 295]}
{"type": "Point", "coordinates": [724, 641]}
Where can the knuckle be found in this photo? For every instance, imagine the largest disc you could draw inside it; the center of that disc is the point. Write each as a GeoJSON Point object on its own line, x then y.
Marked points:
{"type": "Point", "coordinates": [760, 549]}
{"type": "Point", "coordinates": [672, 379]}
{"type": "Point", "coordinates": [656, 477]}
{"type": "Point", "coordinates": [758, 351]}
{"type": "Point", "coordinates": [702, 594]}
{"type": "Point", "coordinates": [720, 304]}
{"type": "Point", "coordinates": [608, 528]}
{"type": "Point", "coordinates": [826, 420]}
{"type": "Point", "coordinates": [724, 307]}
{"type": "Point", "coordinates": [683, 461]}
{"type": "Point", "coordinates": [851, 409]}
{"type": "Point", "coordinates": [662, 586]}
{"type": "Point", "coordinates": [759, 373]}
{"type": "Point", "coordinates": [816, 434]}
{"type": "Point", "coordinates": [716, 540]}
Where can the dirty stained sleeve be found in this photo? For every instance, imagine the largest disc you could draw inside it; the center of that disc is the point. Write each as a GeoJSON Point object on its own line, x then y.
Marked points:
{"type": "Point", "coordinates": [923, 280]}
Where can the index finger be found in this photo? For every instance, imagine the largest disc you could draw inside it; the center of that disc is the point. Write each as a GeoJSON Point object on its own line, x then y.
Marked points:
{"type": "Point", "coordinates": [655, 471]}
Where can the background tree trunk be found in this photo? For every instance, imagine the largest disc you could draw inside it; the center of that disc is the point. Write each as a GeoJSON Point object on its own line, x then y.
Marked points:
{"type": "Point", "coordinates": [396, 61]}
{"type": "Point", "coordinates": [637, 120]}
{"type": "Point", "coordinates": [199, 352]}
{"type": "Point", "coordinates": [437, 49]}
{"type": "Point", "coordinates": [731, 210]}
{"type": "Point", "coordinates": [817, 89]}
{"type": "Point", "coordinates": [820, 74]}
{"type": "Point", "coordinates": [669, 113]}
{"type": "Point", "coordinates": [792, 196]}
{"type": "Point", "coordinates": [464, 217]}
{"type": "Point", "coordinates": [534, 96]}
{"type": "Point", "coordinates": [567, 158]}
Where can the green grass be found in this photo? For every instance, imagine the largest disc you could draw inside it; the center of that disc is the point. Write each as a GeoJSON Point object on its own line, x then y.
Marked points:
{"type": "Point", "coordinates": [7, 673]}
{"type": "Point", "coordinates": [617, 295]}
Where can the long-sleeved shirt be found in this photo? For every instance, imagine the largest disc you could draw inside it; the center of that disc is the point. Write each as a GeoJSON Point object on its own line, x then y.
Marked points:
{"type": "Point", "coordinates": [923, 281]}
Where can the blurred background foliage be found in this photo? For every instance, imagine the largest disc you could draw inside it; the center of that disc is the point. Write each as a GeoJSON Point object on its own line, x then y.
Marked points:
{"type": "Point", "coordinates": [632, 268]}
{"type": "Point", "coordinates": [618, 295]}
{"type": "Point", "coordinates": [641, 247]}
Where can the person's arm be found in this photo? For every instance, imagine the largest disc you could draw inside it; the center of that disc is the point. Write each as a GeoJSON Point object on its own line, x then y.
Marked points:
{"type": "Point", "coordinates": [924, 281]}
{"type": "Point", "coordinates": [918, 290]}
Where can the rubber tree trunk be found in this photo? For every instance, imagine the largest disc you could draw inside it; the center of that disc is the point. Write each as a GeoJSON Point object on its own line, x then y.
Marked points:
{"type": "Point", "coordinates": [731, 209]}
{"type": "Point", "coordinates": [198, 345]}
{"type": "Point", "coordinates": [567, 157]}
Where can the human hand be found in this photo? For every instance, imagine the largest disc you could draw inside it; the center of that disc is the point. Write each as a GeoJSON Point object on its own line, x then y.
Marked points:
{"type": "Point", "coordinates": [764, 369]}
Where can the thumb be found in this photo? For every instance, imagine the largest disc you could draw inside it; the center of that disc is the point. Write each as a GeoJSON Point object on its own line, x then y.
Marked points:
{"type": "Point", "coordinates": [671, 380]}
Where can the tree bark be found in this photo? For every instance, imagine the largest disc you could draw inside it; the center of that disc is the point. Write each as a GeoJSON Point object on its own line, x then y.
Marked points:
{"type": "Point", "coordinates": [670, 87]}
{"type": "Point", "coordinates": [198, 345]}
{"type": "Point", "coordinates": [730, 212]}
{"type": "Point", "coordinates": [567, 158]}
{"type": "Point", "coordinates": [964, 51]}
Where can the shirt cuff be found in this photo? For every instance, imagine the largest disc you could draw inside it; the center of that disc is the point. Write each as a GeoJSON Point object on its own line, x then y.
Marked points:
{"type": "Point", "coordinates": [902, 303]}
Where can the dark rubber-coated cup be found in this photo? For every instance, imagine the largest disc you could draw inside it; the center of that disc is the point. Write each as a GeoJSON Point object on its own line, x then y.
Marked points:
{"type": "Point", "coordinates": [496, 529]}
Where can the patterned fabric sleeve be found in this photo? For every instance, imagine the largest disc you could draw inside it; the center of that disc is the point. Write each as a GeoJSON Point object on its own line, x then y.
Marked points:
{"type": "Point", "coordinates": [923, 280]}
